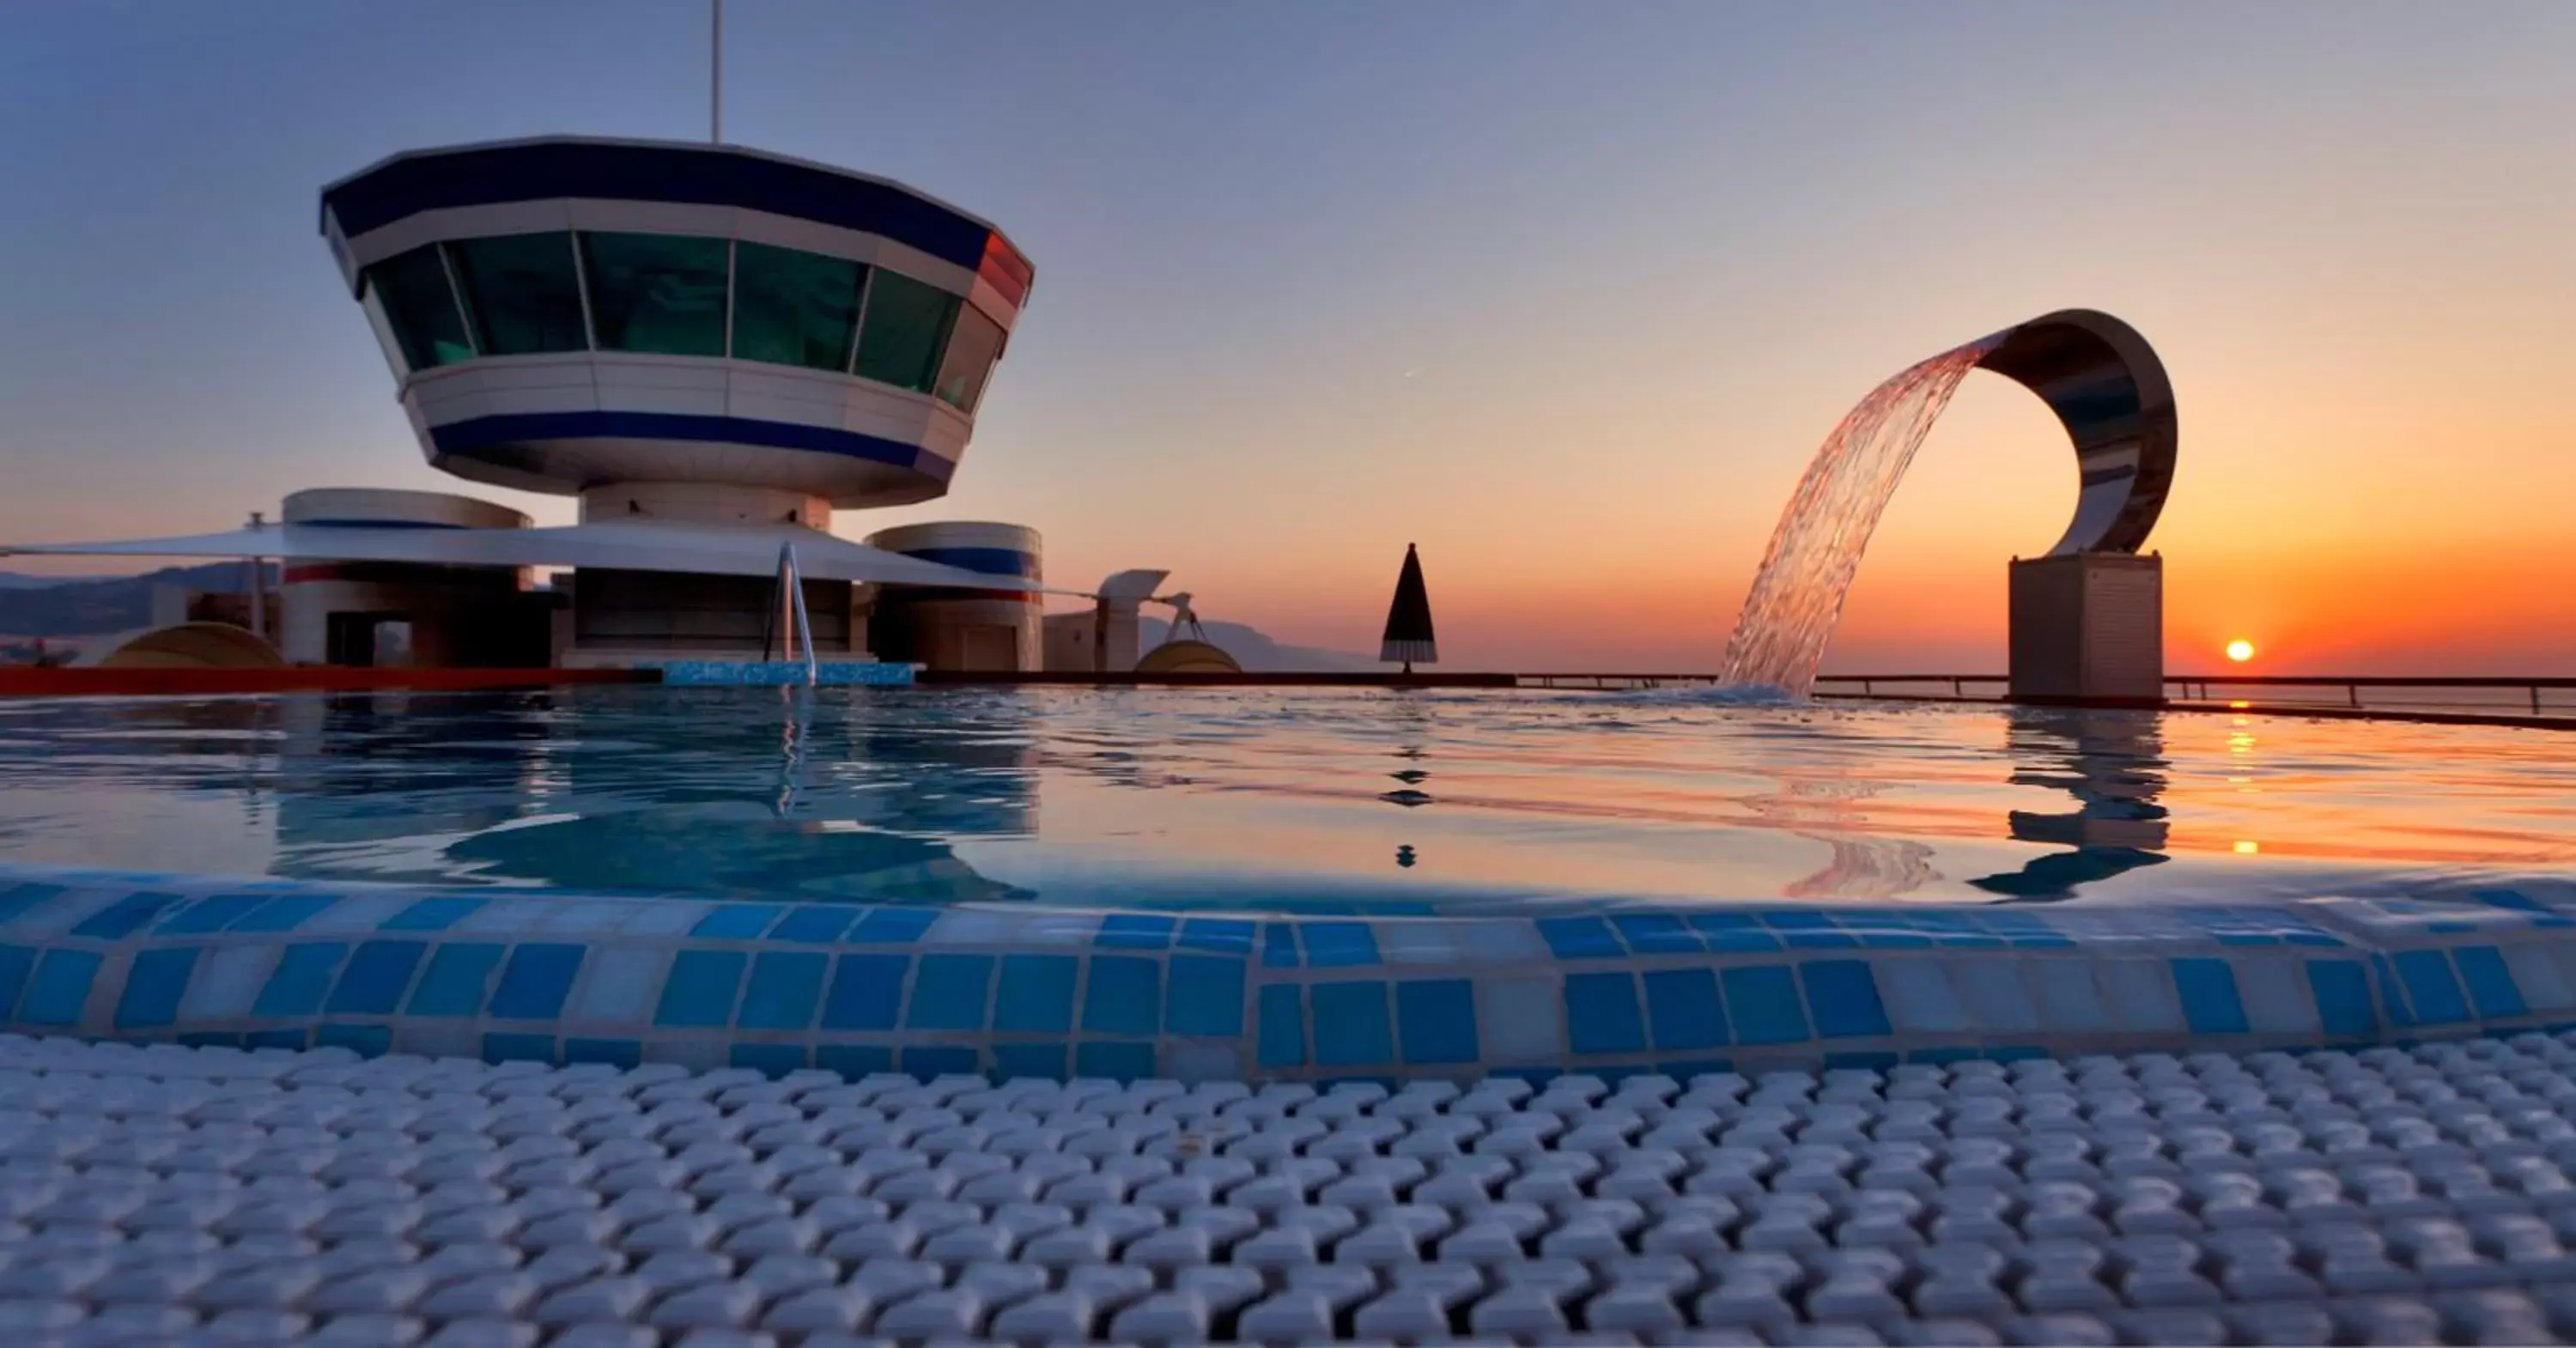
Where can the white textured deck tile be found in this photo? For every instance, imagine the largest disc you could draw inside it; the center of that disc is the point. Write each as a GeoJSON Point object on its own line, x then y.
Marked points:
{"type": "Point", "coordinates": [1520, 1019]}
{"type": "Point", "coordinates": [227, 982]}
{"type": "Point", "coordinates": [2141, 996]}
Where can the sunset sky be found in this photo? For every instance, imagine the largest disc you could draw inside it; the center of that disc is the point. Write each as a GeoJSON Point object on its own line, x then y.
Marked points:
{"type": "Point", "coordinates": [1565, 293]}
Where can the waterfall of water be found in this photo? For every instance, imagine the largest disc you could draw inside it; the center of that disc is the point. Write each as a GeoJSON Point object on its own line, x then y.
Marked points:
{"type": "Point", "coordinates": [1798, 594]}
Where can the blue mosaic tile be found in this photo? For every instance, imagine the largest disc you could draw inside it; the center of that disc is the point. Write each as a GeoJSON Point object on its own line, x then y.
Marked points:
{"type": "Point", "coordinates": [2431, 987]}
{"type": "Point", "coordinates": [866, 992]}
{"type": "Point", "coordinates": [785, 991]}
{"type": "Point", "coordinates": [2342, 991]}
{"type": "Point", "coordinates": [1683, 1010]}
{"type": "Point", "coordinates": [1340, 945]}
{"type": "Point", "coordinates": [1124, 995]}
{"type": "Point", "coordinates": [2490, 983]}
{"type": "Point", "coordinates": [893, 926]}
{"type": "Point", "coordinates": [1352, 1028]}
{"type": "Point", "coordinates": [783, 673]}
{"type": "Point", "coordinates": [2210, 1004]}
{"type": "Point", "coordinates": [1602, 1015]}
{"type": "Point", "coordinates": [1842, 996]}
{"type": "Point", "coordinates": [1435, 1020]}
{"type": "Point", "coordinates": [433, 914]}
{"type": "Point", "coordinates": [699, 991]}
{"type": "Point", "coordinates": [300, 981]}
{"type": "Point", "coordinates": [459, 972]}
{"type": "Point", "coordinates": [538, 978]}
{"type": "Point", "coordinates": [2392, 997]}
{"type": "Point", "coordinates": [1580, 938]}
{"type": "Point", "coordinates": [1036, 994]}
{"type": "Point", "coordinates": [1282, 1020]}
{"type": "Point", "coordinates": [1762, 1004]}
{"type": "Point", "coordinates": [210, 914]}
{"type": "Point", "coordinates": [1728, 933]}
{"type": "Point", "coordinates": [16, 962]}
{"type": "Point", "coordinates": [124, 917]}
{"type": "Point", "coordinates": [284, 913]}
{"type": "Point", "coordinates": [1657, 934]}
{"type": "Point", "coordinates": [19, 900]}
{"type": "Point", "coordinates": [737, 921]}
{"type": "Point", "coordinates": [1135, 931]}
{"type": "Point", "coordinates": [814, 922]}
{"type": "Point", "coordinates": [154, 984]}
{"type": "Point", "coordinates": [1224, 935]}
{"type": "Point", "coordinates": [950, 993]}
{"type": "Point", "coordinates": [373, 981]}
{"type": "Point", "coordinates": [1207, 996]}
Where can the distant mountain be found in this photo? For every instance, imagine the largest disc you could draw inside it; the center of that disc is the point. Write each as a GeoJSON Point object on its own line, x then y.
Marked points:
{"type": "Point", "coordinates": [46, 606]}
{"type": "Point", "coordinates": [1258, 653]}
{"type": "Point", "coordinates": [11, 580]}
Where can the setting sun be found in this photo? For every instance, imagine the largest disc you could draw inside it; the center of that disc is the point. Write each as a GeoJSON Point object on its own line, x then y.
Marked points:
{"type": "Point", "coordinates": [2240, 650]}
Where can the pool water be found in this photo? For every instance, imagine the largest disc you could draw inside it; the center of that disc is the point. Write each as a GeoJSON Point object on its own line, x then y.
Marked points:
{"type": "Point", "coordinates": [1322, 799]}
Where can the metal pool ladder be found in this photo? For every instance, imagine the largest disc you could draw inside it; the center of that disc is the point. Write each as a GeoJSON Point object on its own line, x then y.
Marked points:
{"type": "Point", "coordinates": [789, 613]}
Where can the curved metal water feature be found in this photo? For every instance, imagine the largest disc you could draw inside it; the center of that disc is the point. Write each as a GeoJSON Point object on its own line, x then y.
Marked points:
{"type": "Point", "coordinates": [2095, 372]}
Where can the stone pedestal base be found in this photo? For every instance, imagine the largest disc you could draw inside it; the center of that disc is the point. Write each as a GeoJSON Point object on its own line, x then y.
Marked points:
{"type": "Point", "coordinates": [2088, 626]}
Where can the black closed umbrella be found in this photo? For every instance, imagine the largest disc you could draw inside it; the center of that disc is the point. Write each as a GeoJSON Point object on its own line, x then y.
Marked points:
{"type": "Point", "coordinates": [1408, 619]}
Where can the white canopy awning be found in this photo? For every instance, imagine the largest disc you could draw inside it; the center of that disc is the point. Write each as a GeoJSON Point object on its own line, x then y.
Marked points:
{"type": "Point", "coordinates": [617, 545]}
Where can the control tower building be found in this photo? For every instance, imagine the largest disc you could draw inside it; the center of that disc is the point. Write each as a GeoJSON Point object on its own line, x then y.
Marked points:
{"type": "Point", "coordinates": [696, 335]}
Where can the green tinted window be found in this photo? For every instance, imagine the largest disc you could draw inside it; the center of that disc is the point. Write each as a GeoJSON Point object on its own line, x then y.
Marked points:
{"type": "Point", "coordinates": [906, 325]}
{"type": "Point", "coordinates": [656, 292]}
{"type": "Point", "coordinates": [413, 289]}
{"type": "Point", "coordinates": [972, 349]}
{"type": "Point", "coordinates": [520, 293]}
{"type": "Point", "coordinates": [794, 308]}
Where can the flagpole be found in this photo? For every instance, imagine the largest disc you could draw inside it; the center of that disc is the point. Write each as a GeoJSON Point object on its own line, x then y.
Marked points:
{"type": "Point", "coordinates": [715, 73]}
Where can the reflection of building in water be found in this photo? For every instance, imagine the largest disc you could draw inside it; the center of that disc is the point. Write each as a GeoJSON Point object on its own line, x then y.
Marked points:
{"type": "Point", "coordinates": [2113, 763]}
{"type": "Point", "coordinates": [369, 768]}
{"type": "Point", "coordinates": [741, 853]}
{"type": "Point", "coordinates": [658, 790]}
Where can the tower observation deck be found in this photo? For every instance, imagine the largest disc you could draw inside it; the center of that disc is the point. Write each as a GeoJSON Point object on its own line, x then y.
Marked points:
{"type": "Point", "coordinates": [574, 315]}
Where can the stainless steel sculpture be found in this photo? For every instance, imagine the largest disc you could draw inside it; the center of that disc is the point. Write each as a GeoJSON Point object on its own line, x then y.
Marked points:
{"type": "Point", "coordinates": [2110, 392]}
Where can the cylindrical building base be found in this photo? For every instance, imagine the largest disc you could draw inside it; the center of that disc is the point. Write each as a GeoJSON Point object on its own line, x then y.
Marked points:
{"type": "Point", "coordinates": [982, 631]}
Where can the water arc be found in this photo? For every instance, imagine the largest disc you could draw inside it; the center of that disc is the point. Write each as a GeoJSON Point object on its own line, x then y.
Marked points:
{"type": "Point", "coordinates": [2096, 373]}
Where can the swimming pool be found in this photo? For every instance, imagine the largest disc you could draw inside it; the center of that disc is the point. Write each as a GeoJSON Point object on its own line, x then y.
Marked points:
{"type": "Point", "coordinates": [1253, 885]}
{"type": "Point", "coordinates": [1398, 801]}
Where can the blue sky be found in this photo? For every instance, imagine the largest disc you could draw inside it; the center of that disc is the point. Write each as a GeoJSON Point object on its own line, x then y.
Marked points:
{"type": "Point", "coordinates": [1564, 292]}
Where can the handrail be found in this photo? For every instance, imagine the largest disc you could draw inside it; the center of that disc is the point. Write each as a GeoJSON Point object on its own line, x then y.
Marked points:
{"type": "Point", "coordinates": [2277, 680]}
{"type": "Point", "coordinates": [2350, 684]}
{"type": "Point", "coordinates": [790, 608]}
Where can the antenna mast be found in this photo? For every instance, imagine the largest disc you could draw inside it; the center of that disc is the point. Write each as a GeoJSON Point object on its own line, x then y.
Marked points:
{"type": "Point", "coordinates": [715, 73]}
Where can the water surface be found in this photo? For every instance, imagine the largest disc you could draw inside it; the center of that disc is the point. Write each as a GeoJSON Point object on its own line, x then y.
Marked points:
{"type": "Point", "coordinates": [1276, 798]}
